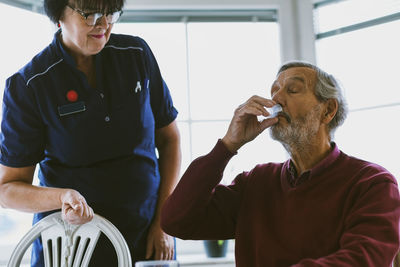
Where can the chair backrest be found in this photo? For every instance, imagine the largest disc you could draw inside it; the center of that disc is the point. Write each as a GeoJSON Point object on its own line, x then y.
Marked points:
{"type": "Point", "coordinates": [67, 245]}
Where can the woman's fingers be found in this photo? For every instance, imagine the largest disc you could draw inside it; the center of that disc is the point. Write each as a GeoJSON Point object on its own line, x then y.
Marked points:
{"type": "Point", "coordinates": [75, 210]}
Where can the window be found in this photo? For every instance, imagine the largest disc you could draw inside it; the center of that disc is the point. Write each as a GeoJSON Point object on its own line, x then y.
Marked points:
{"type": "Point", "coordinates": [21, 41]}
{"type": "Point", "coordinates": [211, 68]}
{"type": "Point", "coordinates": [361, 49]}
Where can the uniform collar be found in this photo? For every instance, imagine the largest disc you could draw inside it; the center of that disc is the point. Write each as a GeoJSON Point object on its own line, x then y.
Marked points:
{"type": "Point", "coordinates": [67, 57]}
{"type": "Point", "coordinates": [61, 51]}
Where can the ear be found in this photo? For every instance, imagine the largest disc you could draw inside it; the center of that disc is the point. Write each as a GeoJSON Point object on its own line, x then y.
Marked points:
{"type": "Point", "coordinates": [331, 107]}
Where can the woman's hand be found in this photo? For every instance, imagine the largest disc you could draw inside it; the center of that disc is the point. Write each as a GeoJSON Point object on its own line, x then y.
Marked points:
{"type": "Point", "coordinates": [74, 208]}
{"type": "Point", "coordinates": [159, 244]}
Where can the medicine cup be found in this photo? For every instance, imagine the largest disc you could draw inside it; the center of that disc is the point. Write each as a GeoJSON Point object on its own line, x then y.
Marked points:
{"type": "Point", "coordinates": [273, 111]}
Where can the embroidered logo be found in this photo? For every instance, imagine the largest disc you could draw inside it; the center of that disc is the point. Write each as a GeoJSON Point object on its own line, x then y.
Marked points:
{"type": "Point", "coordinates": [138, 87]}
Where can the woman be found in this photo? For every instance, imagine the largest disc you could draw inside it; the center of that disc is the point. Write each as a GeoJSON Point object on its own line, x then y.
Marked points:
{"type": "Point", "coordinates": [91, 109]}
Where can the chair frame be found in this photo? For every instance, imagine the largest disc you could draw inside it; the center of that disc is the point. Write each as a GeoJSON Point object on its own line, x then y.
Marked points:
{"type": "Point", "coordinates": [59, 237]}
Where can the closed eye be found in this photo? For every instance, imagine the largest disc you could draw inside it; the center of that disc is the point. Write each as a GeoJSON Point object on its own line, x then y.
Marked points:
{"type": "Point", "coordinates": [292, 90]}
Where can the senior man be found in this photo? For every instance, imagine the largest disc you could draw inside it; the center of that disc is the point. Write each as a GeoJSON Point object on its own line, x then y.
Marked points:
{"type": "Point", "coordinates": [319, 208]}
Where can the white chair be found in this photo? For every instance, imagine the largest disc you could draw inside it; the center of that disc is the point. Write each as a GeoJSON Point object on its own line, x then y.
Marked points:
{"type": "Point", "coordinates": [66, 245]}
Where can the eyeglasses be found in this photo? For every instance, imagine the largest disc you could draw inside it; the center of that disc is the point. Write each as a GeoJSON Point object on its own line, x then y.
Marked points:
{"type": "Point", "coordinates": [93, 18]}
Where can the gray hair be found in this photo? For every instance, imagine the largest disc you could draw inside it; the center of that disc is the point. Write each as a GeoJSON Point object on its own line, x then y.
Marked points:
{"type": "Point", "coordinates": [326, 87]}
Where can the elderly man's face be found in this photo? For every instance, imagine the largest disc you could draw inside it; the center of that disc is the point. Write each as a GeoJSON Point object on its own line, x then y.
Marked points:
{"type": "Point", "coordinates": [301, 117]}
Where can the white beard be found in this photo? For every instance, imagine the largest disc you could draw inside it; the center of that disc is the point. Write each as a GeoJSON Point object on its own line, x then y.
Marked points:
{"type": "Point", "coordinates": [300, 131]}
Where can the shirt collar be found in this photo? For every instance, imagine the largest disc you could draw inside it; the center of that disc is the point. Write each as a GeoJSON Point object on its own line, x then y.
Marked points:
{"type": "Point", "coordinates": [289, 171]}
{"type": "Point", "coordinates": [327, 161]}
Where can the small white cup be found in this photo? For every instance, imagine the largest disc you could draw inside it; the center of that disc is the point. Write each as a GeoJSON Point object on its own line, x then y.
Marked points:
{"type": "Point", "coordinates": [157, 264]}
{"type": "Point", "coordinates": [273, 112]}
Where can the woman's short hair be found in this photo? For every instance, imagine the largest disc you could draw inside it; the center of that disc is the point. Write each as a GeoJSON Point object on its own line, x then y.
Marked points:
{"type": "Point", "coordinates": [54, 8]}
{"type": "Point", "coordinates": [326, 87]}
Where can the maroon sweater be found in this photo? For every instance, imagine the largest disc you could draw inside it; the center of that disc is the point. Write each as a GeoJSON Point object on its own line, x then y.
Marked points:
{"type": "Point", "coordinates": [345, 214]}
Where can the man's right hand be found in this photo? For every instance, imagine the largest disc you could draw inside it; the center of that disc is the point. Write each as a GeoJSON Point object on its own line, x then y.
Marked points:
{"type": "Point", "coordinates": [245, 126]}
{"type": "Point", "coordinates": [74, 208]}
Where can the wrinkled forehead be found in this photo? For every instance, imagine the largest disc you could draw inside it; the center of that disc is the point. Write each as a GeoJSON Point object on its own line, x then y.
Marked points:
{"type": "Point", "coordinates": [304, 75]}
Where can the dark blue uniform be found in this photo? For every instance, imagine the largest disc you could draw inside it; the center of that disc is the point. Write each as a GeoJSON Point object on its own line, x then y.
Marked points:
{"type": "Point", "coordinates": [99, 142]}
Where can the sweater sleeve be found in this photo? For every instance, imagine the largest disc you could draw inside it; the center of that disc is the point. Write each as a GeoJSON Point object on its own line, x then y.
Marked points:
{"type": "Point", "coordinates": [371, 234]}
{"type": "Point", "coordinates": [200, 207]}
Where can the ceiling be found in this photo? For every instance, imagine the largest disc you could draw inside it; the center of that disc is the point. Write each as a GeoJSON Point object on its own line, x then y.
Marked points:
{"type": "Point", "coordinates": [190, 10]}
{"type": "Point", "coordinates": [37, 5]}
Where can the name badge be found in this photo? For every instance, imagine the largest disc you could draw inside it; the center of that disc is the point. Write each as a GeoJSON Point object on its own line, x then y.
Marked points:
{"type": "Point", "coordinates": [71, 108]}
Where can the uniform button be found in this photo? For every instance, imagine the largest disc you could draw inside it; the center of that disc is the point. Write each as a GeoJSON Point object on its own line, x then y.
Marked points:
{"type": "Point", "coordinates": [107, 118]}
{"type": "Point", "coordinates": [101, 95]}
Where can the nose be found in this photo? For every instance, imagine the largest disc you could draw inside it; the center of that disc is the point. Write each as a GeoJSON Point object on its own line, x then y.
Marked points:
{"type": "Point", "coordinates": [278, 97]}
{"type": "Point", "coordinates": [102, 21]}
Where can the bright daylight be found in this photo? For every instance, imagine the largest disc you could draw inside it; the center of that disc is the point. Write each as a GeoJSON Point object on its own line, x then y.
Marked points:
{"type": "Point", "coordinates": [191, 133]}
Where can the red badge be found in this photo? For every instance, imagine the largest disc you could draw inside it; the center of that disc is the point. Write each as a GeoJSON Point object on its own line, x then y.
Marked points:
{"type": "Point", "coordinates": [72, 95]}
